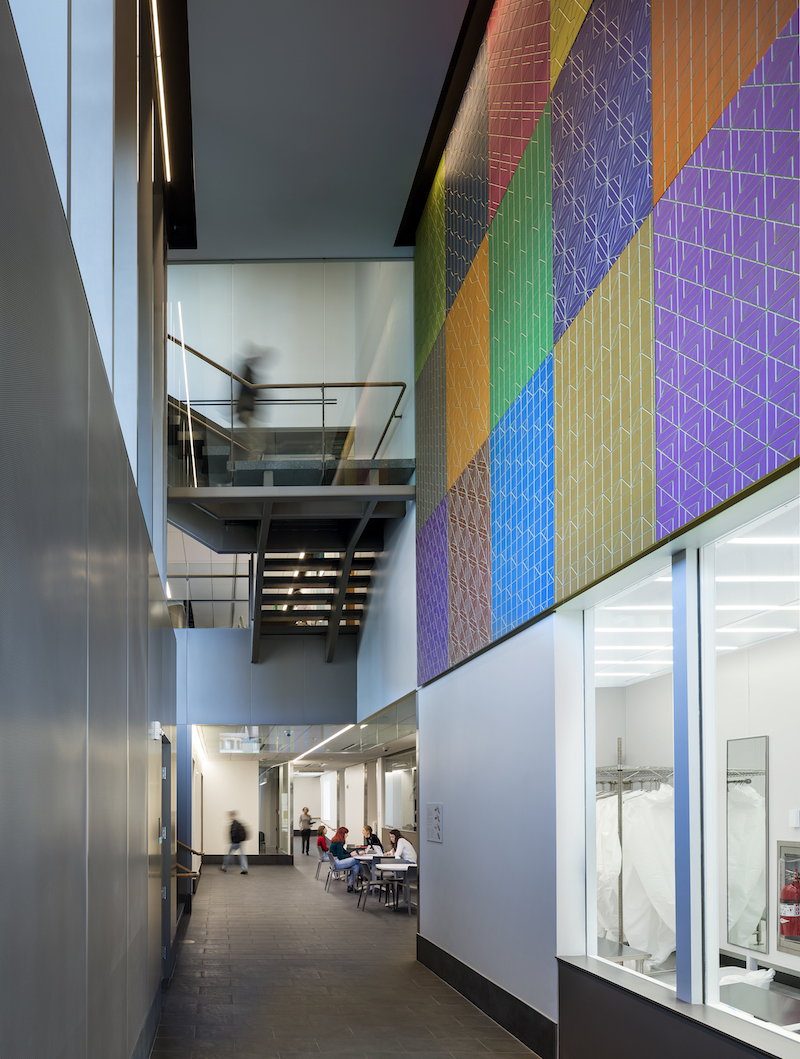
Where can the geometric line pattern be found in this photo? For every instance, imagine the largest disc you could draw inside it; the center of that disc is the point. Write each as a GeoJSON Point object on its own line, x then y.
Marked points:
{"type": "Point", "coordinates": [518, 35]}
{"type": "Point", "coordinates": [522, 505]}
{"type": "Point", "coordinates": [703, 51]}
{"type": "Point", "coordinates": [432, 638]}
{"type": "Point", "coordinates": [521, 275]}
{"type": "Point", "coordinates": [430, 417]}
{"type": "Point", "coordinates": [467, 178]}
{"type": "Point", "coordinates": [467, 331]}
{"type": "Point", "coordinates": [604, 425]}
{"type": "Point", "coordinates": [469, 558]}
{"type": "Point", "coordinates": [566, 18]}
{"type": "Point", "coordinates": [727, 295]}
{"type": "Point", "coordinates": [429, 272]}
{"type": "Point", "coordinates": [602, 150]}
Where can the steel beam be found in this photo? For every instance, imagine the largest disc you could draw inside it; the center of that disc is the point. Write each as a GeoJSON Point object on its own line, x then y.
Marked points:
{"type": "Point", "coordinates": [344, 577]}
{"type": "Point", "coordinates": [258, 578]}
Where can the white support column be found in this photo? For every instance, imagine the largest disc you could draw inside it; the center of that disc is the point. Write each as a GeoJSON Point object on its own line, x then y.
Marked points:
{"type": "Point", "coordinates": [708, 731]}
{"type": "Point", "coordinates": [590, 784]}
{"type": "Point", "coordinates": [688, 819]}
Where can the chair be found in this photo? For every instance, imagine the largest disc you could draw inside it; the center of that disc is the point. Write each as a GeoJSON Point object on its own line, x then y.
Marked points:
{"type": "Point", "coordinates": [369, 885]}
{"type": "Point", "coordinates": [334, 872]}
{"type": "Point", "coordinates": [404, 887]}
{"type": "Point", "coordinates": [323, 856]}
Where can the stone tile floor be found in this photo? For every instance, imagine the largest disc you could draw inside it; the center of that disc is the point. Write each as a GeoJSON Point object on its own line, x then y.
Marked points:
{"type": "Point", "coordinates": [273, 966]}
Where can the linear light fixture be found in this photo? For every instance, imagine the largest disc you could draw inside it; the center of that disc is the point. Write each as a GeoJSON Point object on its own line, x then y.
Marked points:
{"type": "Point", "coordinates": [162, 100]}
{"type": "Point", "coordinates": [634, 662]}
{"type": "Point", "coordinates": [624, 674]}
{"type": "Point", "coordinates": [188, 405]}
{"type": "Point", "coordinates": [770, 579]}
{"type": "Point", "coordinates": [169, 591]}
{"type": "Point", "coordinates": [632, 647]}
{"type": "Point", "coordinates": [758, 628]}
{"type": "Point", "coordinates": [759, 606]}
{"type": "Point", "coordinates": [764, 540]}
{"type": "Point", "coordinates": [633, 628]}
{"type": "Point", "coordinates": [638, 607]}
{"type": "Point", "coordinates": [305, 753]}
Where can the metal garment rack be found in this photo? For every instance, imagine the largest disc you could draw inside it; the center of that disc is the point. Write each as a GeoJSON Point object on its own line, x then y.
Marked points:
{"type": "Point", "coordinates": [618, 778]}
{"type": "Point", "coordinates": [744, 775]}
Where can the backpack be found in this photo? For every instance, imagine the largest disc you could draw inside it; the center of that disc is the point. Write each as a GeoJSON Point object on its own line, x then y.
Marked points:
{"type": "Point", "coordinates": [238, 832]}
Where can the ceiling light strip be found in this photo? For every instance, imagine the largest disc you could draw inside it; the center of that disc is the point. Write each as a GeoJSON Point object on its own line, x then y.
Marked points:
{"type": "Point", "coordinates": [162, 101]}
{"type": "Point", "coordinates": [324, 741]}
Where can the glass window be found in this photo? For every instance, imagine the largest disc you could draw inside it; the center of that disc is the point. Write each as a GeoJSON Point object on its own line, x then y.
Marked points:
{"type": "Point", "coordinates": [752, 577]}
{"type": "Point", "coordinates": [400, 790]}
{"type": "Point", "coordinates": [630, 642]}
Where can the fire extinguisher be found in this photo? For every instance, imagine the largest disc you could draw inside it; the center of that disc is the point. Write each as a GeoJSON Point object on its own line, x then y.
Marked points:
{"type": "Point", "coordinates": [789, 911]}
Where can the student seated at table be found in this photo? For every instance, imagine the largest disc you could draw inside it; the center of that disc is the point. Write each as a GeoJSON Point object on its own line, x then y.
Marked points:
{"type": "Point", "coordinates": [402, 848]}
{"type": "Point", "coordinates": [371, 842]}
{"type": "Point", "coordinates": [322, 842]}
{"type": "Point", "coordinates": [342, 859]}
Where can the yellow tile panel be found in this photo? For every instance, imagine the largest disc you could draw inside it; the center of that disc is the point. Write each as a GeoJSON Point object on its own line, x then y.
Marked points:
{"type": "Point", "coordinates": [467, 344]}
{"type": "Point", "coordinates": [605, 424]}
{"type": "Point", "coordinates": [566, 18]}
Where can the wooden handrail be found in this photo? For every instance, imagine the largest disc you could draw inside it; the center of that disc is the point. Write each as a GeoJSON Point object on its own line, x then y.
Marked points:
{"type": "Point", "coordinates": [195, 851]}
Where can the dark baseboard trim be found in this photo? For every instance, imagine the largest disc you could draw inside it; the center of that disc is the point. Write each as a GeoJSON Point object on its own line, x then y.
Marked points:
{"type": "Point", "coordinates": [256, 858]}
{"type": "Point", "coordinates": [528, 1025]}
{"type": "Point", "coordinates": [147, 1037]}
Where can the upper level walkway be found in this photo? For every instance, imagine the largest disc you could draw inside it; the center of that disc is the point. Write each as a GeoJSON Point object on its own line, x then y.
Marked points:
{"type": "Point", "coordinates": [273, 966]}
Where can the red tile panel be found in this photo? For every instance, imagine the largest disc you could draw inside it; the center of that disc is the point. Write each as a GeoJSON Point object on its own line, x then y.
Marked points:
{"type": "Point", "coordinates": [702, 52]}
{"type": "Point", "coordinates": [518, 37]}
{"type": "Point", "coordinates": [469, 547]}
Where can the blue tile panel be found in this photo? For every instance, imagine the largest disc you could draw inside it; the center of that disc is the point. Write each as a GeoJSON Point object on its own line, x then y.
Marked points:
{"type": "Point", "coordinates": [522, 505]}
{"type": "Point", "coordinates": [467, 178]}
{"type": "Point", "coordinates": [432, 599]}
{"type": "Point", "coordinates": [602, 151]}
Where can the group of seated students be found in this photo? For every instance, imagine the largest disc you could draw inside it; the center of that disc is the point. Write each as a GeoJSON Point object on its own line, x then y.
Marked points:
{"type": "Point", "coordinates": [342, 858]}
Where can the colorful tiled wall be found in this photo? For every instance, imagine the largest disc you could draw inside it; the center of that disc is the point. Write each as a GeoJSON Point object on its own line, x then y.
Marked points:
{"type": "Point", "coordinates": [607, 298]}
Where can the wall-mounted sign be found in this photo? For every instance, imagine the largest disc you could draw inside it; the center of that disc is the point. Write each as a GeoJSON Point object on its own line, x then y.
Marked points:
{"type": "Point", "coordinates": [433, 821]}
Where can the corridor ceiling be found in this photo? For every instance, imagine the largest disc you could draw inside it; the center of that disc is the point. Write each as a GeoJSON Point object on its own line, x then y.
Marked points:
{"type": "Point", "coordinates": [309, 120]}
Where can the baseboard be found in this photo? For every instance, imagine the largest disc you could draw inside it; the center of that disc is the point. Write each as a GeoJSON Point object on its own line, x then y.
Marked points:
{"type": "Point", "coordinates": [147, 1037]}
{"type": "Point", "coordinates": [256, 858]}
{"type": "Point", "coordinates": [528, 1025]}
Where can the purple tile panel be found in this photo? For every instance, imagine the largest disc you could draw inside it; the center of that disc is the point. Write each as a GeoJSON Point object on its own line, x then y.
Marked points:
{"type": "Point", "coordinates": [432, 605]}
{"type": "Point", "coordinates": [727, 298]}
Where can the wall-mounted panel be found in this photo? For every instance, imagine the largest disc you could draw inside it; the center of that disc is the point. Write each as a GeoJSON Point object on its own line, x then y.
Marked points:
{"type": "Point", "coordinates": [519, 84]}
{"type": "Point", "coordinates": [727, 296]}
{"type": "Point", "coordinates": [604, 425]}
{"type": "Point", "coordinates": [429, 272]}
{"type": "Point", "coordinates": [703, 50]}
{"type": "Point", "coordinates": [467, 178]}
{"type": "Point", "coordinates": [430, 407]}
{"type": "Point", "coordinates": [602, 150]}
{"type": "Point", "coordinates": [521, 275]}
{"type": "Point", "coordinates": [469, 558]}
{"type": "Point", "coordinates": [522, 505]}
{"type": "Point", "coordinates": [432, 605]}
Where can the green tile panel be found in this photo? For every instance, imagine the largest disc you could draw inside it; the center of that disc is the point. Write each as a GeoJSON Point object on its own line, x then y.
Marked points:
{"type": "Point", "coordinates": [429, 273]}
{"type": "Point", "coordinates": [521, 274]}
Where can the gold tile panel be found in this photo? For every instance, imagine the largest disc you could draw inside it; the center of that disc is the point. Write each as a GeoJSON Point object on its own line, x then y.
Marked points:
{"type": "Point", "coordinates": [605, 424]}
{"type": "Point", "coordinates": [467, 345]}
{"type": "Point", "coordinates": [566, 18]}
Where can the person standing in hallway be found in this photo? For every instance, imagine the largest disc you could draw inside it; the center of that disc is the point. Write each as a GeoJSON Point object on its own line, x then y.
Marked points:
{"type": "Point", "coordinates": [238, 836]}
{"type": "Point", "coordinates": [341, 858]}
{"type": "Point", "coordinates": [305, 830]}
{"type": "Point", "coordinates": [402, 848]}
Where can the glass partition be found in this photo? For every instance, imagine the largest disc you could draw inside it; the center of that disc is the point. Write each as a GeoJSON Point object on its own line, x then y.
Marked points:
{"type": "Point", "coordinates": [297, 373]}
{"type": "Point", "coordinates": [630, 643]}
{"type": "Point", "coordinates": [752, 586]}
{"type": "Point", "coordinates": [400, 791]}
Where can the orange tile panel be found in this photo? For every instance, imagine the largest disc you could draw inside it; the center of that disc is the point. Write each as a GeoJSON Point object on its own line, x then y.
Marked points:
{"type": "Point", "coordinates": [467, 344]}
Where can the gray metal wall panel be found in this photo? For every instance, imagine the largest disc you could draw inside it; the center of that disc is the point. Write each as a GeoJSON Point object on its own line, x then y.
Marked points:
{"type": "Point", "coordinates": [44, 331]}
{"type": "Point", "coordinates": [218, 676]}
{"type": "Point", "coordinates": [278, 681]}
{"type": "Point", "coordinates": [329, 689]}
{"type": "Point", "coordinates": [107, 777]}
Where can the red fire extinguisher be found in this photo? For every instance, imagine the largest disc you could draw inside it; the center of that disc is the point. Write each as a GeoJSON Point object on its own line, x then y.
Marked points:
{"type": "Point", "coordinates": [789, 910]}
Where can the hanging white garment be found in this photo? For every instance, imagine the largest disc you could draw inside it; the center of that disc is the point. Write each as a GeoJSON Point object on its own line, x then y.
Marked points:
{"type": "Point", "coordinates": [747, 889]}
{"type": "Point", "coordinates": [648, 884]}
{"type": "Point", "coordinates": [608, 865]}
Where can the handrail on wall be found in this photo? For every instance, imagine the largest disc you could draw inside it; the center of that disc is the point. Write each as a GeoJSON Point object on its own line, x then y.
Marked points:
{"type": "Point", "coordinates": [302, 386]}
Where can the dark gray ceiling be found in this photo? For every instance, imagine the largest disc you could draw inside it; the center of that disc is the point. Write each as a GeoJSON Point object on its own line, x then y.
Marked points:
{"type": "Point", "coordinates": [309, 119]}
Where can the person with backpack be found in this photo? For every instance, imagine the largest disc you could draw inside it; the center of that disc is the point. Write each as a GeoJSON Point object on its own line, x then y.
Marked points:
{"type": "Point", "coordinates": [238, 836]}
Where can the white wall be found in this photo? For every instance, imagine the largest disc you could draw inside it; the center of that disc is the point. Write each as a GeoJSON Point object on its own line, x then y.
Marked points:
{"type": "Point", "coordinates": [354, 802]}
{"type": "Point", "coordinates": [229, 785]}
{"type": "Point", "coordinates": [642, 714]}
{"type": "Point", "coordinates": [387, 648]}
{"type": "Point", "coordinates": [328, 808]}
{"type": "Point", "coordinates": [306, 793]}
{"type": "Point", "coordinates": [758, 693]}
{"type": "Point", "coordinates": [487, 753]}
